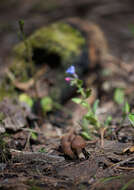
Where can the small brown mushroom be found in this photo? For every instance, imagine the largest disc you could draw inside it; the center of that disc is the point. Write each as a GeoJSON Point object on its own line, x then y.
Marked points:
{"type": "Point", "coordinates": [78, 144]}
{"type": "Point", "coordinates": [71, 137]}
{"type": "Point", "coordinates": [66, 146]}
{"type": "Point", "coordinates": [72, 145]}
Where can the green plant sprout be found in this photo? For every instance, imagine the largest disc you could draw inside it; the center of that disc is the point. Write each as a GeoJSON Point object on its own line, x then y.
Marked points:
{"type": "Point", "coordinates": [119, 96]}
{"type": "Point", "coordinates": [131, 118]}
{"type": "Point", "coordinates": [42, 150]}
{"type": "Point", "coordinates": [90, 118]}
{"type": "Point", "coordinates": [125, 112]}
{"type": "Point", "coordinates": [27, 45]}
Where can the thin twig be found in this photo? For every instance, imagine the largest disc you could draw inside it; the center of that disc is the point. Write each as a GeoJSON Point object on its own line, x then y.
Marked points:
{"type": "Point", "coordinates": [122, 162]}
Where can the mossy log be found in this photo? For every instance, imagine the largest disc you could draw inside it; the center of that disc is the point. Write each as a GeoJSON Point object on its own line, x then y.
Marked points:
{"type": "Point", "coordinates": [58, 46]}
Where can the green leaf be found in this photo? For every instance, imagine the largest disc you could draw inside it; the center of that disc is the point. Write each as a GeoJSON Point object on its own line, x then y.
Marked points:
{"type": "Point", "coordinates": [79, 82]}
{"type": "Point", "coordinates": [125, 187]}
{"type": "Point", "coordinates": [88, 92]}
{"type": "Point", "coordinates": [46, 104]}
{"type": "Point", "coordinates": [42, 150]}
{"type": "Point", "coordinates": [86, 136]}
{"type": "Point", "coordinates": [126, 108]}
{"type": "Point", "coordinates": [104, 180]}
{"type": "Point", "coordinates": [80, 90]}
{"type": "Point", "coordinates": [34, 136]}
{"type": "Point", "coordinates": [27, 99]}
{"type": "Point", "coordinates": [131, 118]}
{"type": "Point", "coordinates": [95, 106]}
{"type": "Point", "coordinates": [92, 119]}
{"type": "Point", "coordinates": [85, 124]}
{"type": "Point", "coordinates": [73, 82]}
{"type": "Point", "coordinates": [85, 104]}
{"type": "Point", "coordinates": [77, 100]}
{"type": "Point", "coordinates": [131, 28]}
{"type": "Point", "coordinates": [21, 25]}
{"type": "Point", "coordinates": [108, 120]}
{"type": "Point", "coordinates": [119, 95]}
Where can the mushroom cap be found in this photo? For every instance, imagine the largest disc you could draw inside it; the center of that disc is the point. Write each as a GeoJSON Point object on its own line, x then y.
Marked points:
{"type": "Point", "coordinates": [78, 143]}
{"type": "Point", "coordinates": [71, 137]}
{"type": "Point", "coordinates": [66, 146]}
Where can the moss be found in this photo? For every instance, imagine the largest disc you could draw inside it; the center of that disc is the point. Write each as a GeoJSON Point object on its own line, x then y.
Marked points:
{"type": "Point", "coordinates": [2, 116]}
{"type": "Point", "coordinates": [4, 150]}
{"type": "Point", "coordinates": [7, 89]}
{"type": "Point", "coordinates": [22, 70]}
{"type": "Point", "coordinates": [60, 38]}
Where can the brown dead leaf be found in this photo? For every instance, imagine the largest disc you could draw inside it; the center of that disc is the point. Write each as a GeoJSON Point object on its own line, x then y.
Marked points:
{"type": "Point", "coordinates": [129, 149]}
{"type": "Point", "coordinates": [24, 85]}
{"type": "Point", "coordinates": [20, 85]}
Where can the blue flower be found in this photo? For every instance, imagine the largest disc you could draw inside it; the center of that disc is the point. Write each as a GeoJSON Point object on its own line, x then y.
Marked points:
{"type": "Point", "coordinates": [71, 70]}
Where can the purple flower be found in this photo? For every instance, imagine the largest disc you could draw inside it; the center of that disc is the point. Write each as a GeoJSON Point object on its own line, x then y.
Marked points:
{"type": "Point", "coordinates": [71, 70]}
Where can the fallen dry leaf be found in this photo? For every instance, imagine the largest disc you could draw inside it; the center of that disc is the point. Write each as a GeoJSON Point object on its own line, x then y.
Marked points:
{"type": "Point", "coordinates": [24, 85]}
{"type": "Point", "coordinates": [129, 149]}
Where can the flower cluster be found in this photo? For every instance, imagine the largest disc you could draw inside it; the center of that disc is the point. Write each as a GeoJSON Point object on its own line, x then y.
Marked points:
{"type": "Point", "coordinates": [71, 71]}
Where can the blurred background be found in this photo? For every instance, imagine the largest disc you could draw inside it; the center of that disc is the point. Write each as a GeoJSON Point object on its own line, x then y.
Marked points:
{"type": "Point", "coordinates": [116, 19]}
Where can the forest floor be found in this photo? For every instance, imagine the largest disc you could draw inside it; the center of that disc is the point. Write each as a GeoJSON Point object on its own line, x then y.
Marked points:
{"type": "Point", "coordinates": [39, 162]}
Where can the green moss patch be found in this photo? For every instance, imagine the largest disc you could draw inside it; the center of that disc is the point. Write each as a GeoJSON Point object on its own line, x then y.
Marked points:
{"type": "Point", "coordinates": [59, 40]}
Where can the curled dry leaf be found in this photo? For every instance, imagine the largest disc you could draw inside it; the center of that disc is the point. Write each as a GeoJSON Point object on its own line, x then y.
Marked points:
{"type": "Point", "coordinates": [72, 145]}
{"type": "Point", "coordinates": [24, 85]}
{"type": "Point", "coordinates": [129, 149]}
{"type": "Point", "coordinates": [20, 85]}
